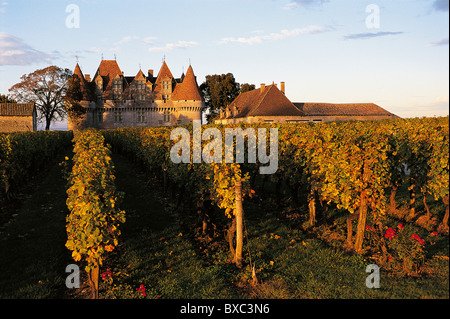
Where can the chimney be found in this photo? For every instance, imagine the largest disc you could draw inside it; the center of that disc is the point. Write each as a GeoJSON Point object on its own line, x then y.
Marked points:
{"type": "Point", "coordinates": [87, 77]}
{"type": "Point", "coordinates": [282, 87]}
{"type": "Point", "coordinates": [263, 86]}
{"type": "Point", "coordinates": [150, 73]}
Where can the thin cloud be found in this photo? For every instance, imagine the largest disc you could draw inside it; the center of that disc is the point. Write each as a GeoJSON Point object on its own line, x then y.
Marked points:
{"type": "Point", "coordinates": [3, 6]}
{"type": "Point", "coordinates": [358, 36]}
{"type": "Point", "coordinates": [126, 40]}
{"type": "Point", "coordinates": [441, 5]}
{"type": "Point", "coordinates": [174, 46]}
{"type": "Point", "coordinates": [283, 34]}
{"type": "Point", "coordinates": [14, 51]}
{"type": "Point", "coordinates": [304, 3]}
{"type": "Point", "coordinates": [440, 42]}
{"type": "Point", "coordinates": [149, 40]}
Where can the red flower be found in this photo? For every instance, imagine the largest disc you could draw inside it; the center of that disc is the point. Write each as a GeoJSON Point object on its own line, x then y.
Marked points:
{"type": "Point", "coordinates": [368, 227]}
{"type": "Point", "coordinates": [141, 289]}
{"type": "Point", "coordinates": [434, 233]}
{"type": "Point", "coordinates": [390, 233]}
{"type": "Point", "coordinates": [415, 236]}
{"type": "Point", "coordinates": [400, 226]}
{"type": "Point", "coordinates": [107, 274]}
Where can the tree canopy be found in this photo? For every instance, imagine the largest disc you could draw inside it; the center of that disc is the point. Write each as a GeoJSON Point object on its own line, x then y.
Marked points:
{"type": "Point", "coordinates": [46, 88]}
{"type": "Point", "coordinates": [219, 91]}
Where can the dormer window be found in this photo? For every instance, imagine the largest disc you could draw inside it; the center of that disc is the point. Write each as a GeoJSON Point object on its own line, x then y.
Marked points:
{"type": "Point", "coordinates": [140, 91]}
{"type": "Point", "coordinates": [117, 89]}
{"type": "Point", "coordinates": [166, 85]}
{"type": "Point", "coordinates": [140, 86]}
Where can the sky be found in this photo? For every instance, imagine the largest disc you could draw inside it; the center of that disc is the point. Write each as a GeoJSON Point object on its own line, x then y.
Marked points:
{"type": "Point", "coordinates": [394, 53]}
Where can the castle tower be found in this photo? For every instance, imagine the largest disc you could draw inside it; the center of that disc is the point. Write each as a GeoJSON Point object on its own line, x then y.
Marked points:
{"type": "Point", "coordinates": [188, 99]}
{"type": "Point", "coordinates": [163, 86]}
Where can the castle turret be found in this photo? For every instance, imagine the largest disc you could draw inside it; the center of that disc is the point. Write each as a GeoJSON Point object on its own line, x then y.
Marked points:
{"type": "Point", "coordinates": [188, 89]}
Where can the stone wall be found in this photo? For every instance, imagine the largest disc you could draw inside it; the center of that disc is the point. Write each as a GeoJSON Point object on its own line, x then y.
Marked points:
{"type": "Point", "coordinates": [16, 123]}
{"type": "Point", "coordinates": [160, 113]}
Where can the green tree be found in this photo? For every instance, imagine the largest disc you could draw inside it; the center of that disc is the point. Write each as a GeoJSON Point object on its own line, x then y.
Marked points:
{"type": "Point", "coordinates": [246, 87]}
{"type": "Point", "coordinates": [219, 91]}
{"type": "Point", "coordinates": [46, 88]}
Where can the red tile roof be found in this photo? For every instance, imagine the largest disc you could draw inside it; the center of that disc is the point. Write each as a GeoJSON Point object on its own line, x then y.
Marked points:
{"type": "Point", "coordinates": [269, 101]}
{"type": "Point", "coordinates": [188, 89]}
{"type": "Point", "coordinates": [164, 74]}
{"type": "Point", "coordinates": [351, 109]}
{"type": "Point", "coordinates": [83, 83]}
{"type": "Point", "coordinates": [140, 76]}
{"type": "Point", "coordinates": [108, 68]}
{"type": "Point", "coordinates": [16, 109]}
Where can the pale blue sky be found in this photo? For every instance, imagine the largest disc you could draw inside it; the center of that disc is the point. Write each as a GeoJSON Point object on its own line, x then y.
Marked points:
{"type": "Point", "coordinates": [323, 49]}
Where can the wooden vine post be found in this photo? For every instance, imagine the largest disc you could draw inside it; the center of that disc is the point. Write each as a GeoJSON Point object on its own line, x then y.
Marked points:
{"type": "Point", "coordinates": [239, 223]}
{"type": "Point", "coordinates": [362, 212]}
{"type": "Point", "coordinates": [93, 280]}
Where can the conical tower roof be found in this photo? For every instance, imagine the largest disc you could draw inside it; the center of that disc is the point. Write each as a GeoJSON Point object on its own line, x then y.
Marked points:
{"type": "Point", "coordinates": [83, 83]}
{"type": "Point", "coordinates": [188, 89]}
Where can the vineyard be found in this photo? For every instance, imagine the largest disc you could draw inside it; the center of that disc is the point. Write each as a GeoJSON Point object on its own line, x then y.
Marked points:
{"type": "Point", "coordinates": [141, 225]}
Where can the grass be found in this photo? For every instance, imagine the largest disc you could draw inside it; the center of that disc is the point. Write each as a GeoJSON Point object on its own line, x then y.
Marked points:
{"type": "Point", "coordinates": [168, 257]}
{"type": "Point", "coordinates": [160, 249]}
{"type": "Point", "coordinates": [32, 242]}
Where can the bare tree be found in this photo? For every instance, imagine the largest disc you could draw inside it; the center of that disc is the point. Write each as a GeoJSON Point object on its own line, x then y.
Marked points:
{"type": "Point", "coordinates": [46, 88]}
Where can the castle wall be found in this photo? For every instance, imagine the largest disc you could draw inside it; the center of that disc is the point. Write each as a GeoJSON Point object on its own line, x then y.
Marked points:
{"type": "Point", "coordinates": [110, 115]}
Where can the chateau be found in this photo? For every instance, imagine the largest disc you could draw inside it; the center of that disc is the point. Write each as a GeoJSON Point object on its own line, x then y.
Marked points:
{"type": "Point", "coordinates": [113, 100]}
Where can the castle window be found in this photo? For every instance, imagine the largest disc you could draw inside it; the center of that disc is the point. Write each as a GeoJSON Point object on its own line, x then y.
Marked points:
{"type": "Point", "coordinates": [117, 116]}
{"type": "Point", "coordinates": [140, 85]}
{"type": "Point", "coordinates": [141, 117]}
{"type": "Point", "coordinates": [166, 116]}
{"type": "Point", "coordinates": [117, 89]}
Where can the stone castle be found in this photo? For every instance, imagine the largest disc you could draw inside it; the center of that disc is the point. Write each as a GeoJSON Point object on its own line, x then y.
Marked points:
{"type": "Point", "coordinates": [113, 100]}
